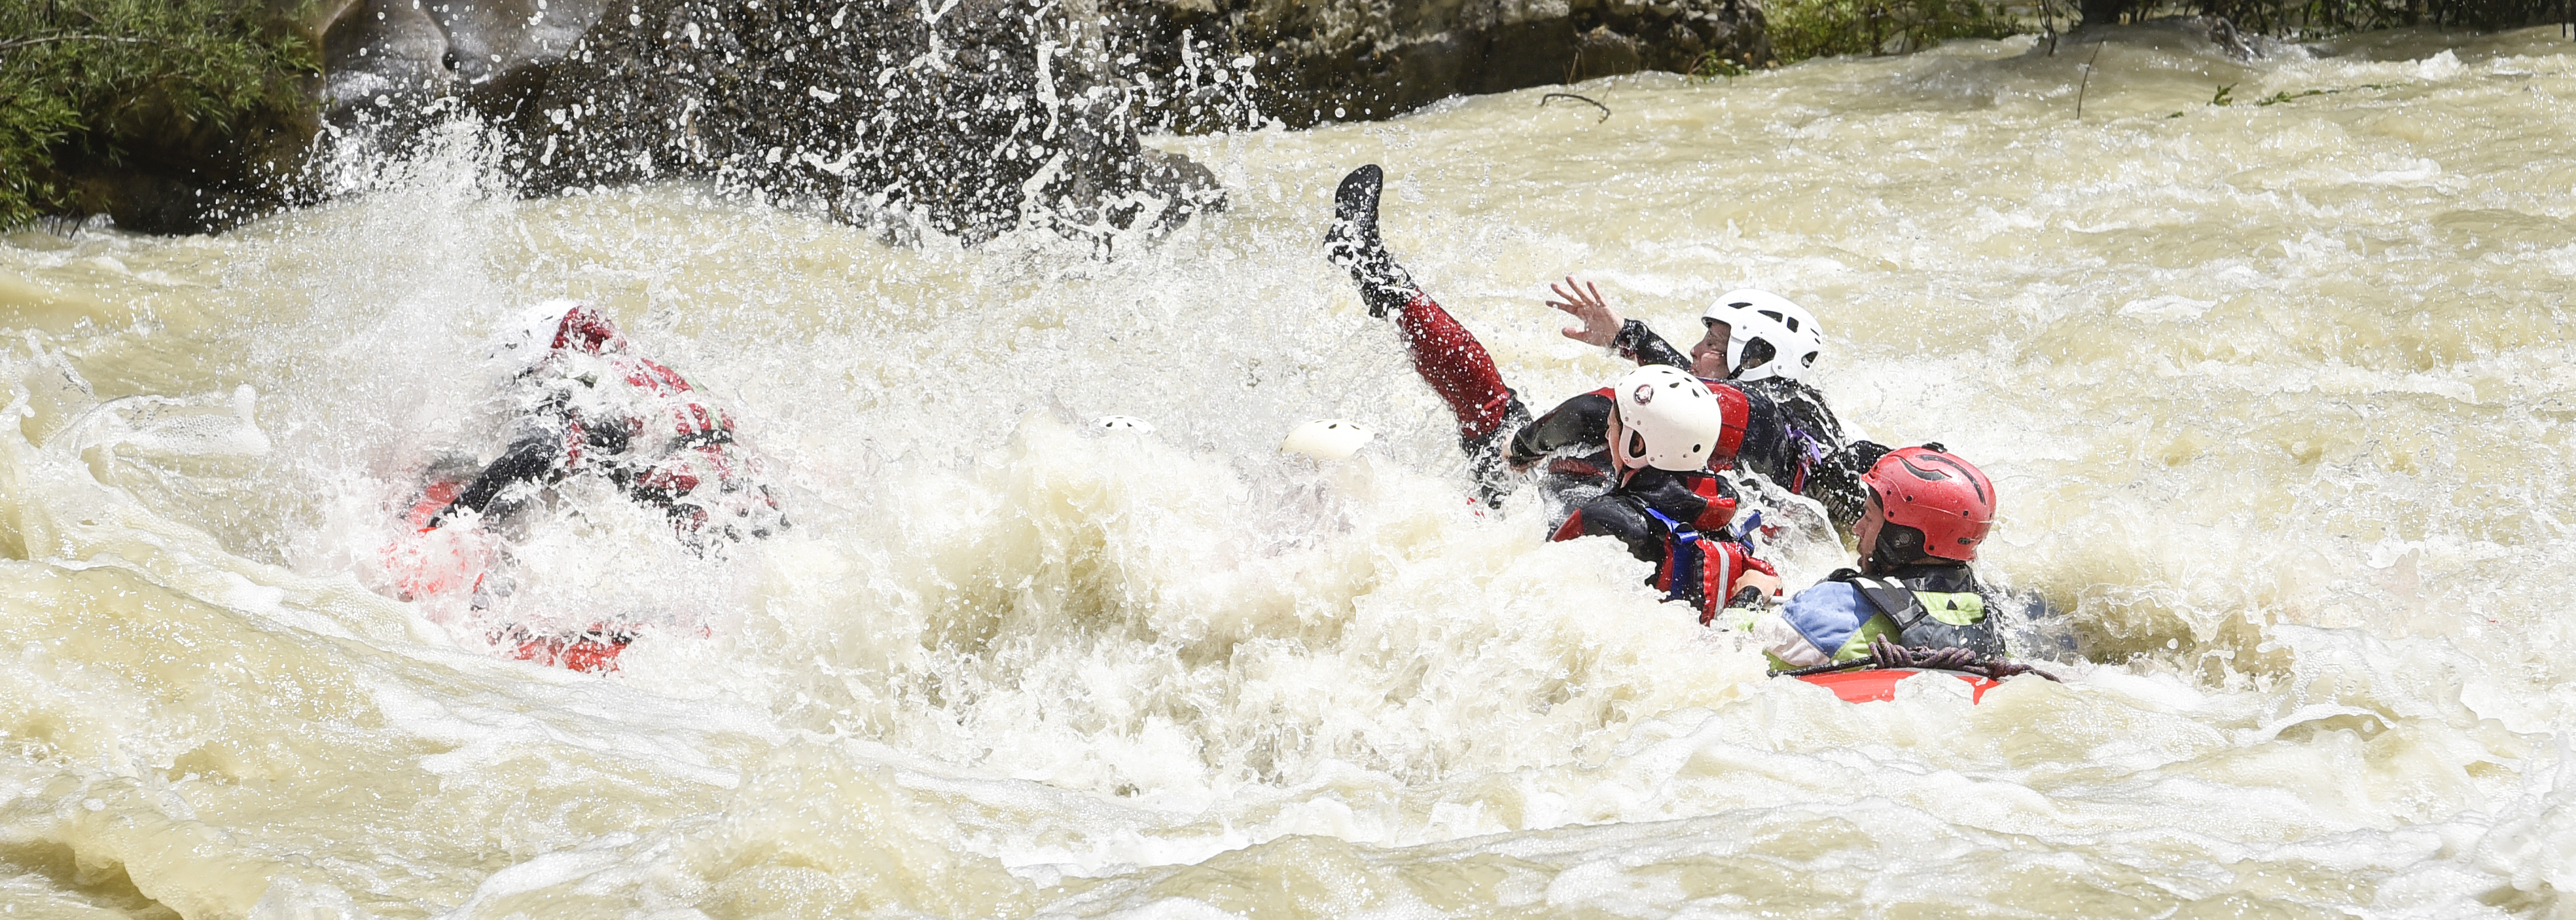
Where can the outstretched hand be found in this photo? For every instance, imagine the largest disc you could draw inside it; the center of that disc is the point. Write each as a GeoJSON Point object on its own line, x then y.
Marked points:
{"type": "Point", "coordinates": [1583, 301]}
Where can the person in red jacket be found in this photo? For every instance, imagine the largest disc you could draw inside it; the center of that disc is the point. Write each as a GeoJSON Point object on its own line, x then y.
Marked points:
{"type": "Point", "coordinates": [593, 405]}
{"type": "Point", "coordinates": [589, 404]}
{"type": "Point", "coordinates": [1628, 461]}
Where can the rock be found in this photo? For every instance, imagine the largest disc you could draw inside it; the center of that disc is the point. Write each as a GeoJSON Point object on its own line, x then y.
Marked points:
{"type": "Point", "coordinates": [405, 48]}
{"type": "Point", "coordinates": [977, 115]}
{"type": "Point", "coordinates": [2208, 37]}
{"type": "Point", "coordinates": [1311, 61]}
{"type": "Point", "coordinates": [179, 176]}
{"type": "Point", "coordinates": [964, 117]}
{"type": "Point", "coordinates": [969, 119]}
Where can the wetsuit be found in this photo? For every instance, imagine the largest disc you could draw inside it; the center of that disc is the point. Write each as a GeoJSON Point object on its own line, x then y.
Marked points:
{"type": "Point", "coordinates": [1676, 520]}
{"type": "Point", "coordinates": [598, 407]}
{"type": "Point", "coordinates": [1807, 455]}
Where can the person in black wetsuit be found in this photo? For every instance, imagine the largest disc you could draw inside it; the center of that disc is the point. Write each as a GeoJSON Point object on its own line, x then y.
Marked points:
{"type": "Point", "coordinates": [1764, 344]}
{"type": "Point", "coordinates": [1628, 461]}
{"type": "Point", "coordinates": [1925, 512]}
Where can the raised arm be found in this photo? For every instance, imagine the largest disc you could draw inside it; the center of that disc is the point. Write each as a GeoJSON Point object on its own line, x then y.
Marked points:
{"type": "Point", "coordinates": [1604, 327]}
{"type": "Point", "coordinates": [539, 459]}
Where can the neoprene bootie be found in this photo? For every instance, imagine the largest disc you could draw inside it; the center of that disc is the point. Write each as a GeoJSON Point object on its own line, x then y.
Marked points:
{"type": "Point", "coordinates": [1353, 243]}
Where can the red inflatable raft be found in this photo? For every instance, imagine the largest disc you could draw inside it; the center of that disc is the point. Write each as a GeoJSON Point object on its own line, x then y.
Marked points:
{"type": "Point", "coordinates": [450, 563]}
{"type": "Point", "coordinates": [1876, 684]}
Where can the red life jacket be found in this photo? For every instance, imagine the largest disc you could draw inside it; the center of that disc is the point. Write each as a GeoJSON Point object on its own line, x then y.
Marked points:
{"type": "Point", "coordinates": [1698, 563]}
{"type": "Point", "coordinates": [683, 447]}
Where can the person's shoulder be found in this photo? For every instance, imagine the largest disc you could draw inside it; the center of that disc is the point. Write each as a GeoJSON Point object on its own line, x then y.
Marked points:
{"type": "Point", "coordinates": [1785, 391]}
{"type": "Point", "coordinates": [1597, 402]}
{"type": "Point", "coordinates": [1658, 477]}
{"type": "Point", "coordinates": [1828, 611]}
{"type": "Point", "coordinates": [1835, 594]}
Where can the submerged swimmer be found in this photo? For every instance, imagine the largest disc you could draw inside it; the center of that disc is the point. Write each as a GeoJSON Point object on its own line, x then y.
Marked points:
{"type": "Point", "coordinates": [1629, 461]}
{"type": "Point", "coordinates": [584, 403]}
{"type": "Point", "coordinates": [589, 404]}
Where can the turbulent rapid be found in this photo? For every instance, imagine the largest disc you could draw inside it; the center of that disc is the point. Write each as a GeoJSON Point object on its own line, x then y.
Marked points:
{"type": "Point", "coordinates": [2274, 393]}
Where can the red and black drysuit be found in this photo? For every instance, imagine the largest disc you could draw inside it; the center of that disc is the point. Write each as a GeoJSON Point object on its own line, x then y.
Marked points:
{"type": "Point", "coordinates": [1808, 456]}
{"type": "Point", "coordinates": [1677, 520]}
{"type": "Point", "coordinates": [598, 406]}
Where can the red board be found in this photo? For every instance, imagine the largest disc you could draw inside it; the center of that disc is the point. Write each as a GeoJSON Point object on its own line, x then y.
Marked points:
{"type": "Point", "coordinates": [594, 651]}
{"type": "Point", "coordinates": [1876, 684]}
{"type": "Point", "coordinates": [449, 563]}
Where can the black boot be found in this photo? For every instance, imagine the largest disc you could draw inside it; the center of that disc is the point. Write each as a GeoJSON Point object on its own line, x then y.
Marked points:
{"type": "Point", "coordinates": [1353, 243]}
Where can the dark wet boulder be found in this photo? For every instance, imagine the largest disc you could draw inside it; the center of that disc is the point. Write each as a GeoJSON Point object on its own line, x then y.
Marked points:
{"type": "Point", "coordinates": [968, 118]}
{"type": "Point", "coordinates": [1207, 62]}
{"type": "Point", "coordinates": [965, 117]}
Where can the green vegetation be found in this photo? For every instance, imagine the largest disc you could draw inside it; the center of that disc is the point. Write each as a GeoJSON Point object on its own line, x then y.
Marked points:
{"type": "Point", "coordinates": [1712, 65]}
{"type": "Point", "coordinates": [2286, 95]}
{"type": "Point", "coordinates": [2306, 19]}
{"type": "Point", "coordinates": [2314, 18]}
{"type": "Point", "coordinates": [1802, 29]}
{"type": "Point", "coordinates": [2226, 95]}
{"type": "Point", "coordinates": [90, 82]}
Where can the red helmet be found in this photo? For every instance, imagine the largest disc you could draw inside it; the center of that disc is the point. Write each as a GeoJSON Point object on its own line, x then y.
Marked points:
{"type": "Point", "coordinates": [1936, 492]}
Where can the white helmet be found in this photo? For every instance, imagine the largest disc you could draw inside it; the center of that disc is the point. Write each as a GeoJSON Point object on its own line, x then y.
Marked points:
{"type": "Point", "coordinates": [1672, 421]}
{"type": "Point", "coordinates": [1788, 329]}
{"type": "Point", "coordinates": [1327, 439]}
{"type": "Point", "coordinates": [1124, 423]}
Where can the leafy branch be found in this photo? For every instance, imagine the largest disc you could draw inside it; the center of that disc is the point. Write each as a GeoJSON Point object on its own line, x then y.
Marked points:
{"type": "Point", "coordinates": [91, 83]}
{"type": "Point", "coordinates": [1801, 29]}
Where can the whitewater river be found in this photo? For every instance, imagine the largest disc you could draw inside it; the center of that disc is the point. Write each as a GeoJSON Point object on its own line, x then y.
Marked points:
{"type": "Point", "coordinates": [2276, 395]}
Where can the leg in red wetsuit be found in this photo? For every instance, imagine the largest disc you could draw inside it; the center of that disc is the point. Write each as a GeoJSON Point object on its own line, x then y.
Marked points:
{"type": "Point", "coordinates": [1455, 365]}
{"type": "Point", "coordinates": [1446, 355]}
{"type": "Point", "coordinates": [1458, 368]}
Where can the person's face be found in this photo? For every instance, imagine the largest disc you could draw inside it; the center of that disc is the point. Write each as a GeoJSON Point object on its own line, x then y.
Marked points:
{"type": "Point", "coordinates": [1618, 456]}
{"type": "Point", "coordinates": [1708, 358]}
{"type": "Point", "coordinates": [1866, 529]}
